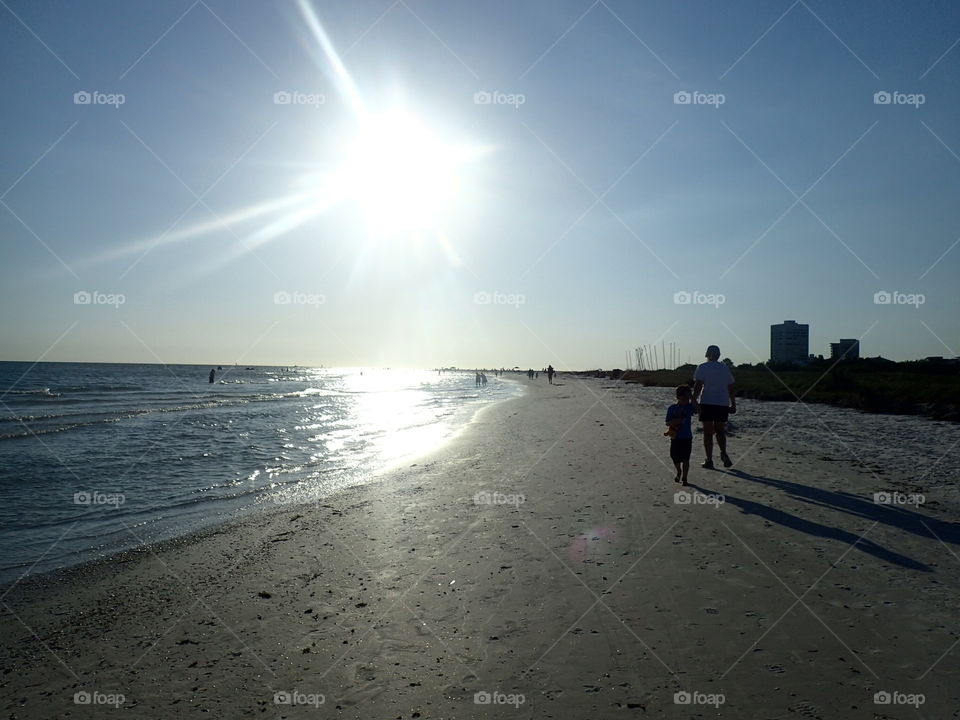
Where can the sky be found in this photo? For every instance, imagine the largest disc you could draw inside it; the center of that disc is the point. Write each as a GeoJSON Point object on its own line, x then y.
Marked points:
{"type": "Point", "coordinates": [477, 184]}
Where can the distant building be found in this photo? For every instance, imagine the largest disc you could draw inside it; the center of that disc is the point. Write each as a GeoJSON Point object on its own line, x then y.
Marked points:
{"type": "Point", "coordinates": [789, 342]}
{"type": "Point", "coordinates": [847, 349]}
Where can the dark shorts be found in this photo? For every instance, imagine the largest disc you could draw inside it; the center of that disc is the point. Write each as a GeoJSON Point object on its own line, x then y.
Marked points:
{"type": "Point", "coordinates": [714, 413]}
{"type": "Point", "coordinates": [680, 449]}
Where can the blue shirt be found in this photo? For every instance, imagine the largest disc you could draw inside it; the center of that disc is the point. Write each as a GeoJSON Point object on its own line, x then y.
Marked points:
{"type": "Point", "coordinates": [675, 412]}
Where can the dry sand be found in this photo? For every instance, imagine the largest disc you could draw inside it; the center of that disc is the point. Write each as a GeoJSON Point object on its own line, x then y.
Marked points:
{"type": "Point", "coordinates": [597, 596]}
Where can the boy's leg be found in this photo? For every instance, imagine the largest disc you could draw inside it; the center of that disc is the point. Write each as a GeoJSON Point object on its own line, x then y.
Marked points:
{"type": "Point", "coordinates": [676, 464]}
{"type": "Point", "coordinates": [686, 469]}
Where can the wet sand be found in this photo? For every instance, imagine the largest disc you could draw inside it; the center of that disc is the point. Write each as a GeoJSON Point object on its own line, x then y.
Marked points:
{"type": "Point", "coordinates": [541, 565]}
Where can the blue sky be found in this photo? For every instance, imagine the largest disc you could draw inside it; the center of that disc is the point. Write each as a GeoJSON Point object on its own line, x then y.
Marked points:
{"type": "Point", "coordinates": [592, 204]}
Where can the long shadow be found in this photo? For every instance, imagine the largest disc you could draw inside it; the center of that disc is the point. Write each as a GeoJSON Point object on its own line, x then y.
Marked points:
{"type": "Point", "coordinates": [794, 522]}
{"type": "Point", "coordinates": [896, 516]}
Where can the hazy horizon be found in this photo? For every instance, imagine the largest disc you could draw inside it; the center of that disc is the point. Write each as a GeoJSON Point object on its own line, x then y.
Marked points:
{"type": "Point", "coordinates": [424, 184]}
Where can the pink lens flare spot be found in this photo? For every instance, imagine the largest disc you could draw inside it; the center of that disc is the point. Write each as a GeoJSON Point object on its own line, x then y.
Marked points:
{"type": "Point", "coordinates": [592, 544]}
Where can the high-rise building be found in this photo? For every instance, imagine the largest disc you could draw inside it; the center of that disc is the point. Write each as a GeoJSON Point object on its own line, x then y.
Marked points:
{"type": "Point", "coordinates": [847, 348]}
{"type": "Point", "coordinates": [789, 342]}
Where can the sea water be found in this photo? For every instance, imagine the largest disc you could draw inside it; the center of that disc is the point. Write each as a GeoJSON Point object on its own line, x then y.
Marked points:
{"type": "Point", "coordinates": [98, 458]}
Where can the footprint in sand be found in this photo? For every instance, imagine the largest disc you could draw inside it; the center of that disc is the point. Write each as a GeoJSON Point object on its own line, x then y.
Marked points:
{"type": "Point", "coordinates": [807, 710]}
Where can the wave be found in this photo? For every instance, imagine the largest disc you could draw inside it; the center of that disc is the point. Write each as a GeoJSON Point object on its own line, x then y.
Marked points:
{"type": "Point", "coordinates": [114, 416]}
{"type": "Point", "coordinates": [101, 388]}
{"type": "Point", "coordinates": [41, 392]}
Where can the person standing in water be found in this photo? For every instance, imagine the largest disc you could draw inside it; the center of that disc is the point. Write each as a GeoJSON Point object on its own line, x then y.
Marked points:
{"type": "Point", "coordinates": [213, 374]}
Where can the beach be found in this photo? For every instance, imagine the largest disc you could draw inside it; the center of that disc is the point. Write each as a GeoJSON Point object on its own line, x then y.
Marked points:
{"type": "Point", "coordinates": [538, 565]}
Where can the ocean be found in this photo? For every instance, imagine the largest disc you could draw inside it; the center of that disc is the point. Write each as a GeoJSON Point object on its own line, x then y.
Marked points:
{"type": "Point", "coordinates": [99, 458]}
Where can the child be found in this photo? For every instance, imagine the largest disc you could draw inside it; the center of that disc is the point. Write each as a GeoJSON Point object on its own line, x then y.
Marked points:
{"type": "Point", "coordinates": [680, 433]}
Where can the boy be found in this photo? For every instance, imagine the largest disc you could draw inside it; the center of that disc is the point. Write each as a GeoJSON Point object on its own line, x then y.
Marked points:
{"type": "Point", "coordinates": [680, 433]}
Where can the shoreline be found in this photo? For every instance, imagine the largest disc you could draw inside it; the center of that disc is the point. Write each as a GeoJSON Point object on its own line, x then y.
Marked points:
{"type": "Point", "coordinates": [596, 594]}
{"type": "Point", "coordinates": [64, 574]}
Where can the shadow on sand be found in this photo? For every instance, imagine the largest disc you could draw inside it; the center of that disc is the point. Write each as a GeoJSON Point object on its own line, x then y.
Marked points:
{"type": "Point", "coordinates": [850, 504]}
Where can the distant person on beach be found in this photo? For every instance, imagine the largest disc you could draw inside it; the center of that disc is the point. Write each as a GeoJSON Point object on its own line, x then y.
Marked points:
{"type": "Point", "coordinates": [713, 390]}
{"type": "Point", "coordinates": [680, 432]}
{"type": "Point", "coordinates": [550, 372]}
{"type": "Point", "coordinates": [478, 379]}
{"type": "Point", "coordinates": [213, 374]}
{"type": "Point", "coordinates": [483, 378]}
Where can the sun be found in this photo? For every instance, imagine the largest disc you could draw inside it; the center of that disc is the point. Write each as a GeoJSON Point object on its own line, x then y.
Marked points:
{"type": "Point", "coordinates": [401, 173]}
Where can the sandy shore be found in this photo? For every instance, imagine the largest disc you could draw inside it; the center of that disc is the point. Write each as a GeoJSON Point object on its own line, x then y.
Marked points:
{"type": "Point", "coordinates": [542, 560]}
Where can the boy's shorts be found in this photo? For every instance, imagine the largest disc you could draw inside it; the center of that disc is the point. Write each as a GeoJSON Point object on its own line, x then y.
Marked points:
{"type": "Point", "coordinates": [680, 449]}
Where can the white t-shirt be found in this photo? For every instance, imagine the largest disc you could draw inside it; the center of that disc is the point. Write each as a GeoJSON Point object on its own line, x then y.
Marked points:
{"type": "Point", "coordinates": [715, 377]}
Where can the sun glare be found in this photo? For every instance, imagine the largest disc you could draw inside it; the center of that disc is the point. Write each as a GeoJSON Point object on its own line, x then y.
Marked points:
{"type": "Point", "coordinates": [401, 173]}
